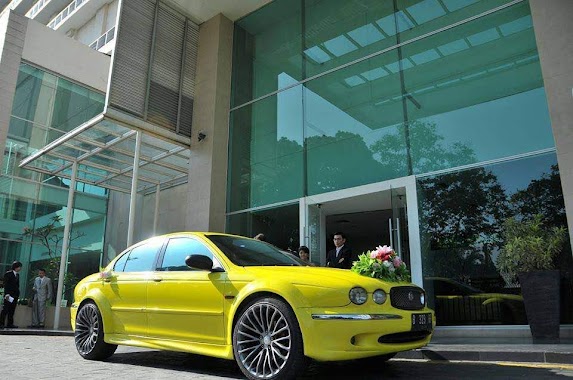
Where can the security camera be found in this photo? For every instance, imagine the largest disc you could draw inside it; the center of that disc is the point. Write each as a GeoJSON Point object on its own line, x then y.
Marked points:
{"type": "Point", "coordinates": [201, 136]}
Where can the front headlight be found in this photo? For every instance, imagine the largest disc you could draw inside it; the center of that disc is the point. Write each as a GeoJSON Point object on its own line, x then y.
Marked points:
{"type": "Point", "coordinates": [423, 298]}
{"type": "Point", "coordinates": [379, 296]}
{"type": "Point", "coordinates": [358, 295]}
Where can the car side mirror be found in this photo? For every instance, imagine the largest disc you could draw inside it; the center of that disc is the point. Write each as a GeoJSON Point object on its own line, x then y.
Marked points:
{"type": "Point", "coordinates": [106, 275]}
{"type": "Point", "coordinates": [200, 262]}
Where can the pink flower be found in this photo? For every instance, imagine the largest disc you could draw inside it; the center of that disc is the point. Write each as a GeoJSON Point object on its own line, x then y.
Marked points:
{"type": "Point", "coordinates": [383, 252]}
{"type": "Point", "coordinates": [397, 262]}
{"type": "Point", "coordinates": [373, 254]}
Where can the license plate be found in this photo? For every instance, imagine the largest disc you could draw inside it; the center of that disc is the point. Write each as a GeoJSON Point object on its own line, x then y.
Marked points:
{"type": "Point", "coordinates": [421, 321]}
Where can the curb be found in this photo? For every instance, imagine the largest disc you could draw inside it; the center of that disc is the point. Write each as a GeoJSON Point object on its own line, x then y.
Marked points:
{"type": "Point", "coordinates": [489, 356]}
{"type": "Point", "coordinates": [45, 332]}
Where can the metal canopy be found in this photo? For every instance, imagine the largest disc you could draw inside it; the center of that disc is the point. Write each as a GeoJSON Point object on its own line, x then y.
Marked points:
{"type": "Point", "coordinates": [104, 149]}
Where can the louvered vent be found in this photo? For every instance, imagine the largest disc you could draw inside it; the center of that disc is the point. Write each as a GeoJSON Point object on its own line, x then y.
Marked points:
{"type": "Point", "coordinates": [161, 93]}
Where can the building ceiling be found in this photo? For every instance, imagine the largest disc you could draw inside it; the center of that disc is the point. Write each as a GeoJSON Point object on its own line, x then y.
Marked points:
{"type": "Point", "coordinates": [203, 10]}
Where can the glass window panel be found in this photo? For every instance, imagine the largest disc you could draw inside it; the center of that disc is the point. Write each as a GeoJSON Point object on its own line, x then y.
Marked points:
{"type": "Point", "coordinates": [344, 31]}
{"type": "Point", "coordinates": [416, 17]}
{"type": "Point", "coordinates": [177, 251]}
{"type": "Point", "coordinates": [142, 258]}
{"type": "Point", "coordinates": [349, 114]}
{"type": "Point", "coordinates": [266, 151]}
{"type": "Point", "coordinates": [267, 43]}
{"type": "Point", "coordinates": [280, 225]}
{"type": "Point", "coordinates": [492, 105]}
{"type": "Point", "coordinates": [459, 260]}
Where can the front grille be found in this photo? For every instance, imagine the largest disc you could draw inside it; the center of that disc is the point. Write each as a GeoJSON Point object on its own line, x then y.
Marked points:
{"type": "Point", "coordinates": [406, 297]}
{"type": "Point", "coordinates": [404, 337]}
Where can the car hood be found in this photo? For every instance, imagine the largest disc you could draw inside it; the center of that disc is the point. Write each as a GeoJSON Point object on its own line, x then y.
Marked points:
{"type": "Point", "coordinates": [321, 277]}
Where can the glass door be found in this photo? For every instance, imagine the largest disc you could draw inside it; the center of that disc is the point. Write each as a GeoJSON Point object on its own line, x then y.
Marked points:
{"type": "Point", "coordinates": [398, 223]}
{"type": "Point", "coordinates": [314, 233]}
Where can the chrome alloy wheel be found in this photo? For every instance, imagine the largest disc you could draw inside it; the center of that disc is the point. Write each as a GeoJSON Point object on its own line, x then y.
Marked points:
{"type": "Point", "coordinates": [87, 329]}
{"type": "Point", "coordinates": [264, 340]}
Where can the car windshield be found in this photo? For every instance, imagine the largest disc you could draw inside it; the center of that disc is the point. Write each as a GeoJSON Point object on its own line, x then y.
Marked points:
{"type": "Point", "coordinates": [248, 252]}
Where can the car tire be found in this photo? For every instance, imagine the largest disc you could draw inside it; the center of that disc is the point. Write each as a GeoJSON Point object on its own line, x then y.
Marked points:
{"type": "Point", "coordinates": [88, 335]}
{"type": "Point", "coordinates": [267, 342]}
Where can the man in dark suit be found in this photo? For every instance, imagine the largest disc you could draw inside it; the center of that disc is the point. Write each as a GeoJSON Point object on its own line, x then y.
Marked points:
{"type": "Point", "coordinates": [341, 255]}
{"type": "Point", "coordinates": [11, 294]}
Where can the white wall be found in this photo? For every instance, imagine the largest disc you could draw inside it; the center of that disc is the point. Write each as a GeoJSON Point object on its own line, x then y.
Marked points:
{"type": "Point", "coordinates": [103, 20]}
{"type": "Point", "coordinates": [62, 55]}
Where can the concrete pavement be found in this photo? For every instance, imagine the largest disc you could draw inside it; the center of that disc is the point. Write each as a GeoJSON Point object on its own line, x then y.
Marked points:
{"type": "Point", "coordinates": [440, 349]}
{"type": "Point", "coordinates": [37, 357]}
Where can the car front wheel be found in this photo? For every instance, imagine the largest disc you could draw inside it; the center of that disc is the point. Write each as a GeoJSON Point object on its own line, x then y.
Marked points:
{"type": "Point", "coordinates": [267, 342]}
{"type": "Point", "coordinates": [88, 335]}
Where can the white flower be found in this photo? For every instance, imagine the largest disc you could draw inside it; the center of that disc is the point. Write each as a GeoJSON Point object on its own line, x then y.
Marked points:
{"type": "Point", "coordinates": [387, 264]}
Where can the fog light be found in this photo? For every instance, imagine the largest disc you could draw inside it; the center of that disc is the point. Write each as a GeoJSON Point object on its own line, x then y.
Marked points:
{"type": "Point", "coordinates": [379, 296]}
{"type": "Point", "coordinates": [358, 295]}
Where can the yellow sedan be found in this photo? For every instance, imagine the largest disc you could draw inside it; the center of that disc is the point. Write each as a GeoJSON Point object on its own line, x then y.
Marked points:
{"type": "Point", "coordinates": [238, 298]}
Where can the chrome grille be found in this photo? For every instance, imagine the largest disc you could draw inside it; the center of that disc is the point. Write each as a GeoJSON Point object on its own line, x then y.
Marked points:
{"type": "Point", "coordinates": [406, 297]}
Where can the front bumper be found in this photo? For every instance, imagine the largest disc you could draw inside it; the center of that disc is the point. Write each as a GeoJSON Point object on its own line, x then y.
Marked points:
{"type": "Point", "coordinates": [349, 333]}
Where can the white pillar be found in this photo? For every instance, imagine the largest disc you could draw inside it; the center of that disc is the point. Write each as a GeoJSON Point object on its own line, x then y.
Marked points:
{"type": "Point", "coordinates": [133, 197]}
{"type": "Point", "coordinates": [156, 213]}
{"type": "Point", "coordinates": [65, 244]}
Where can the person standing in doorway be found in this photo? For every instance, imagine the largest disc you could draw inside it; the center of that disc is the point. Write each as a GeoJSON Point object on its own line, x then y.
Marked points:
{"type": "Point", "coordinates": [304, 254]}
{"type": "Point", "coordinates": [42, 293]}
{"type": "Point", "coordinates": [341, 255]}
{"type": "Point", "coordinates": [11, 294]}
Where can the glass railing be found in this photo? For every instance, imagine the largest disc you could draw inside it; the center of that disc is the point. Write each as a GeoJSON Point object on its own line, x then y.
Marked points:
{"type": "Point", "coordinates": [56, 21]}
{"type": "Point", "coordinates": [103, 39]}
{"type": "Point", "coordinates": [36, 8]}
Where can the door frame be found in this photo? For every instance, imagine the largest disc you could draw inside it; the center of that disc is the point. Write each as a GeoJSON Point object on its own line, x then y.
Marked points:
{"type": "Point", "coordinates": [408, 183]}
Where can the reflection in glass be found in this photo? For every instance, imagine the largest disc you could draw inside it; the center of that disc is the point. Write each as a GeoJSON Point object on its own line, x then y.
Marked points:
{"type": "Point", "coordinates": [280, 225]}
{"type": "Point", "coordinates": [462, 214]}
{"type": "Point", "coordinates": [44, 108]}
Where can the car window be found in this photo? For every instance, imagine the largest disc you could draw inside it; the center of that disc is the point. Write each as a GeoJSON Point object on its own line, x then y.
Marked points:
{"type": "Point", "coordinates": [142, 258]}
{"type": "Point", "coordinates": [120, 263]}
{"type": "Point", "coordinates": [178, 249]}
{"type": "Point", "coordinates": [248, 252]}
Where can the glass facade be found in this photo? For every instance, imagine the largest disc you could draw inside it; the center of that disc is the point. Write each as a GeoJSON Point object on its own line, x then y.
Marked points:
{"type": "Point", "coordinates": [33, 205]}
{"type": "Point", "coordinates": [333, 95]}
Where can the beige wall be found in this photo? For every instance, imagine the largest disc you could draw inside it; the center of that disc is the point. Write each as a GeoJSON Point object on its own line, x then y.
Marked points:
{"type": "Point", "coordinates": [172, 212]}
{"type": "Point", "coordinates": [208, 163]}
{"type": "Point", "coordinates": [553, 26]}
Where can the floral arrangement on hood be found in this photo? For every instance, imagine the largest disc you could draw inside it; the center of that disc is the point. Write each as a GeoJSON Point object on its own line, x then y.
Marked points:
{"type": "Point", "coordinates": [382, 263]}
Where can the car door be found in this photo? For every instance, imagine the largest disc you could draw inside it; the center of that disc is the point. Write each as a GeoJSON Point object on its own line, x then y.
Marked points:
{"type": "Point", "coordinates": [126, 289]}
{"type": "Point", "coordinates": [186, 304]}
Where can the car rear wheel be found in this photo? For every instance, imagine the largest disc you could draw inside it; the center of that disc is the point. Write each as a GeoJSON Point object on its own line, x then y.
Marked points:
{"type": "Point", "coordinates": [88, 335]}
{"type": "Point", "coordinates": [267, 342]}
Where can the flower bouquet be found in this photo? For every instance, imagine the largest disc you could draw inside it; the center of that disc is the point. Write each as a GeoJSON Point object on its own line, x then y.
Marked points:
{"type": "Point", "coordinates": [382, 263]}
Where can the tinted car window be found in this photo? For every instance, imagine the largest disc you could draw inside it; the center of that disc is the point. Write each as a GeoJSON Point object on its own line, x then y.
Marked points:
{"type": "Point", "coordinates": [142, 258]}
{"type": "Point", "coordinates": [120, 263]}
{"type": "Point", "coordinates": [178, 249]}
{"type": "Point", "coordinates": [249, 252]}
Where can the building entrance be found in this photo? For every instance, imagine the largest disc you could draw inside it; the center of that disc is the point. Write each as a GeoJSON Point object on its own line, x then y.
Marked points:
{"type": "Point", "coordinates": [384, 213]}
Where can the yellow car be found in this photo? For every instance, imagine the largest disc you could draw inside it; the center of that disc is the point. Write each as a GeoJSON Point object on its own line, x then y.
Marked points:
{"type": "Point", "coordinates": [238, 298]}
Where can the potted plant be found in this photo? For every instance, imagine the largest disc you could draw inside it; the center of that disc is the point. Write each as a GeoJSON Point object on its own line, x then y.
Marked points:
{"type": "Point", "coordinates": [529, 255]}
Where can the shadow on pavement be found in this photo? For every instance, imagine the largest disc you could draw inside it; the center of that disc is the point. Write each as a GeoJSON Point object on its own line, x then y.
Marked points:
{"type": "Point", "coordinates": [394, 369]}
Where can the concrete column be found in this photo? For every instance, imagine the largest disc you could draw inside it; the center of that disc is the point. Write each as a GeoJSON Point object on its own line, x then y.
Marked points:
{"type": "Point", "coordinates": [12, 36]}
{"type": "Point", "coordinates": [208, 163]}
{"type": "Point", "coordinates": [553, 30]}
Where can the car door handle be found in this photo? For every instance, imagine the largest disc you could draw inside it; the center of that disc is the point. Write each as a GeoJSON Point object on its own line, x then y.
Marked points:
{"type": "Point", "coordinates": [157, 279]}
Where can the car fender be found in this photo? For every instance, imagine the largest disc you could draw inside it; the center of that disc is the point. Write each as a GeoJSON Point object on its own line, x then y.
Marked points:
{"type": "Point", "coordinates": [284, 290]}
{"type": "Point", "coordinates": [104, 307]}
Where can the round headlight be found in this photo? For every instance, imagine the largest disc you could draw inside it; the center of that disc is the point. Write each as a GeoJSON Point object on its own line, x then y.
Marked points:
{"type": "Point", "coordinates": [358, 295]}
{"type": "Point", "coordinates": [423, 298]}
{"type": "Point", "coordinates": [379, 296]}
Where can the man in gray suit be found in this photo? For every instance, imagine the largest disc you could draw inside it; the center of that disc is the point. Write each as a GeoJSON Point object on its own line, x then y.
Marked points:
{"type": "Point", "coordinates": [42, 293]}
